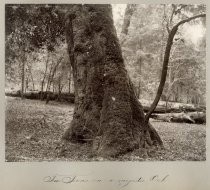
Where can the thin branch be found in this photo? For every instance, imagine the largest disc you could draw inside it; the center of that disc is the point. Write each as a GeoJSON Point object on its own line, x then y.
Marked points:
{"type": "Point", "coordinates": [179, 10]}
{"type": "Point", "coordinates": [172, 14]}
{"type": "Point", "coordinates": [165, 64]}
{"type": "Point", "coordinates": [189, 19]}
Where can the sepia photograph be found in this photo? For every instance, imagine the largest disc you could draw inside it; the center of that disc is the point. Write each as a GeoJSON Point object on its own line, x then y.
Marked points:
{"type": "Point", "coordinates": [105, 82]}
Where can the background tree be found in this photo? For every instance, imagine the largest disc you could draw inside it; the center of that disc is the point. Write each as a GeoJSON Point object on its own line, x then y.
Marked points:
{"type": "Point", "coordinates": [172, 32]}
{"type": "Point", "coordinates": [143, 49]}
{"type": "Point", "coordinates": [31, 28]}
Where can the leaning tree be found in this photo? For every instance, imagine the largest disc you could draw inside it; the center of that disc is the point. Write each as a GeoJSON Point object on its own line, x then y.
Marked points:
{"type": "Point", "coordinates": [171, 34]}
{"type": "Point", "coordinates": [107, 111]}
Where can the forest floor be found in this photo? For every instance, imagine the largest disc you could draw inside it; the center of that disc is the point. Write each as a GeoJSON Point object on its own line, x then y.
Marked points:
{"type": "Point", "coordinates": [33, 132]}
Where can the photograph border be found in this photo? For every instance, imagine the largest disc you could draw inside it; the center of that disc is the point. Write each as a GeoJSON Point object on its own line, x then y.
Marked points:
{"type": "Point", "coordinates": [183, 175]}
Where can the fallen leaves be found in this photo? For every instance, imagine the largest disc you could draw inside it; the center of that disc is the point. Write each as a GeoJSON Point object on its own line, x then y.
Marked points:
{"type": "Point", "coordinates": [34, 131]}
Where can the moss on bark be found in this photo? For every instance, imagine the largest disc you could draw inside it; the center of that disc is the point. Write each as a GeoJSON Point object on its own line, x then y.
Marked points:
{"type": "Point", "coordinates": [107, 112]}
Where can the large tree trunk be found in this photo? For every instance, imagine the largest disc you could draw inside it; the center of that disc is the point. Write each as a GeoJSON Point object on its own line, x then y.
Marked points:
{"type": "Point", "coordinates": [107, 112]}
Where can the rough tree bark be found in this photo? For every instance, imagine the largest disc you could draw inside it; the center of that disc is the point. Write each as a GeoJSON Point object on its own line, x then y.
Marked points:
{"type": "Point", "coordinates": [107, 111]}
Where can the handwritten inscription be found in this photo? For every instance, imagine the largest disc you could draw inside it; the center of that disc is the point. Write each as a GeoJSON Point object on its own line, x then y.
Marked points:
{"type": "Point", "coordinates": [70, 179]}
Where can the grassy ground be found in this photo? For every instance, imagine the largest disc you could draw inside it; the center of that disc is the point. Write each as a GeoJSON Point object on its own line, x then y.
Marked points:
{"type": "Point", "coordinates": [34, 130]}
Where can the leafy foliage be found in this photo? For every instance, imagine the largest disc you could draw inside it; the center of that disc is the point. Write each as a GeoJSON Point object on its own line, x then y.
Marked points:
{"type": "Point", "coordinates": [144, 46]}
{"type": "Point", "coordinates": [35, 35]}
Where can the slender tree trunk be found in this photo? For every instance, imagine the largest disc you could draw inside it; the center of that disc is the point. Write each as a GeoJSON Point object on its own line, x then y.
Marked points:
{"type": "Point", "coordinates": [129, 11]}
{"type": "Point", "coordinates": [69, 80]}
{"type": "Point", "coordinates": [32, 80]}
{"type": "Point", "coordinates": [60, 91]}
{"type": "Point", "coordinates": [166, 61]}
{"type": "Point", "coordinates": [107, 111]}
{"type": "Point", "coordinates": [31, 75]}
{"type": "Point", "coordinates": [44, 77]}
{"type": "Point", "coordinates": [170, 85]}
{"type": "Point", "coordinates": [23, 77]}
{"type": "Point", "coordinates": [59, 88]}
{"type": "Point", "coordinates": [54, 88]}
{"type": "Point", "coordinates": [50, 80]}
{"type": "Point", "coordinates": [26, 85]}
{"type": "Point", "coordinates": [140, 68]}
